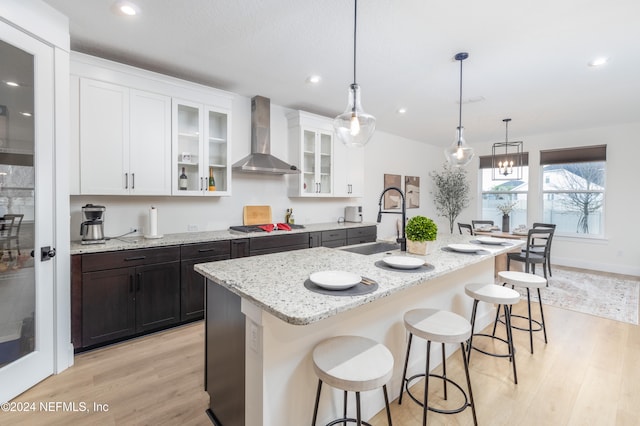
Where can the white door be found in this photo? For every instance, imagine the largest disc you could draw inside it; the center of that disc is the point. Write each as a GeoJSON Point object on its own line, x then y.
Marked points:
{"type": "Point", "coordinates": [26, 198]}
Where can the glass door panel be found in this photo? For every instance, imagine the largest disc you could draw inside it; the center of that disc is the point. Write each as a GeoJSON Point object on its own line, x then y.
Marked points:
{"type": "Point", "coordinates": [309, 160]}
{"type": "Point", "coordinates": [26, 198]}
{"type": "Point", "coordinates": [217, 147]}
{"type": "Point", "coordinates": [188, 148]}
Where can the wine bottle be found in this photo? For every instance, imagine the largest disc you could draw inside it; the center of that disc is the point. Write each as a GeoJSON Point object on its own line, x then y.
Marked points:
{"type": "Point", "coordinates": [183, 181]}
{"type": "Point", "coordinates": [212, 180]}
{"type": "Point", "coordinates": [292, 218]}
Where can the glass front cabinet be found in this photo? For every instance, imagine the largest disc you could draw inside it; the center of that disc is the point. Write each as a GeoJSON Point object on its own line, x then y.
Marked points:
{"type": "Point", "coordinates": [311, 146]}
{"type": "Point", "coordinates": [201, 149]}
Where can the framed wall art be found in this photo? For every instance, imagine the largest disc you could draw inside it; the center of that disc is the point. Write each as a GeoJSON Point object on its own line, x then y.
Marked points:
{"type": "Point", "coordinates": [412, 191]}
{"type": "Point", "coordinates": [392, 199]}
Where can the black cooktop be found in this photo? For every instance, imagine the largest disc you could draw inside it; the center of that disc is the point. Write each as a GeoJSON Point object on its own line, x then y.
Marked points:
{"type": "Point", "coordinates": [256, 228]}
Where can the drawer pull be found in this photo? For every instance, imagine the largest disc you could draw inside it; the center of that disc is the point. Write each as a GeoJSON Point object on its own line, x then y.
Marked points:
{"type": "Point", "coordinates": [128, 259]}
{"type": "Point", "coordinates": [206, 250]}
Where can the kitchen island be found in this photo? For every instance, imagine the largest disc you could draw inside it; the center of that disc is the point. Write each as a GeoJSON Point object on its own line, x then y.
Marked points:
{"type": "Point", "coordinates": [262, 324]}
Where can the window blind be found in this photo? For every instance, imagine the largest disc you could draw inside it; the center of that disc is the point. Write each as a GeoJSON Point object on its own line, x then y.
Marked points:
{"type": "Point", "coordinates": [574, 155]}
{"type": "Point", "coordinates": [485, 160]}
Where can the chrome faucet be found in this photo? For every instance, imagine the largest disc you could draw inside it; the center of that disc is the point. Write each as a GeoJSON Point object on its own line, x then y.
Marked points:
{"type": "Point", "coordinates": [401, 239]}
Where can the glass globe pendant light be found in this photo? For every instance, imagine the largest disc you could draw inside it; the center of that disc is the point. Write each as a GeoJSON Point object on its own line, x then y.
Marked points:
{"type": "Point", "coordinates": [459, 153]}
{"type": "Point", "coordinates": [354, 127]}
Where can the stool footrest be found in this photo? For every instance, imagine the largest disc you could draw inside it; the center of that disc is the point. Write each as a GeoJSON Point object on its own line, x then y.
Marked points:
{"type": "Point", "coordinates": [536, 322]}
{"type": "Point", "coordinates": [492, 353]}
{"type": "Point", "coordinates": [349, 420]}
{"type": "Point", "coordinates": [438, 410]}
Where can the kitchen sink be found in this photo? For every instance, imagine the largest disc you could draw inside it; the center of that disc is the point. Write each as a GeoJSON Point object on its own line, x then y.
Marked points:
{"type": "Point", "coordinates": [372, 248]}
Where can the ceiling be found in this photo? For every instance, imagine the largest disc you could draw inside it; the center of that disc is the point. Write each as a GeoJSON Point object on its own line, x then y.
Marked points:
{"type": "Point", "coordinates": [527, 60]}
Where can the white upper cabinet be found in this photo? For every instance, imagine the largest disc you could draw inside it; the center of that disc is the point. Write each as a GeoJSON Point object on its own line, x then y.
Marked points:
{"type": "Point", "coordinates": [328, 168]}
{"type": "Point", "coordinates": [133, 131]}
{"type": "Point", "coordinates": [200, 149]}
{"type": "Point", "coordinates": [311, 146]}
{"type": "Point", "coordinates": [125, 140]}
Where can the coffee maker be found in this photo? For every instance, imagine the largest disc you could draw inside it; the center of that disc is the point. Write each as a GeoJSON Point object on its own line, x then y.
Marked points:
{"type": "Point", "coordinates": [92, 229]}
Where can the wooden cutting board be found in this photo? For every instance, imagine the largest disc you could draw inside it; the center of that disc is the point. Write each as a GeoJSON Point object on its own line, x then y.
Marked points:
{"type": "Point", "coordinates": [256, 215]}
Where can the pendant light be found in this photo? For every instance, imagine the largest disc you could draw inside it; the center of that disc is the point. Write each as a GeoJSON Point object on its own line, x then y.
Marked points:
{"type": "Point", "coordinates": [354, 127]}
{"type": "Point", "coordinates": [506, 157]}
{"type": "Point", "coordinates": [459, 153]}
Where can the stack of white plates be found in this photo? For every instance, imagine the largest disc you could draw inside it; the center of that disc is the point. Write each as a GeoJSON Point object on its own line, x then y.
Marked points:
{"type": "Point", "coordinates": [492, 240]}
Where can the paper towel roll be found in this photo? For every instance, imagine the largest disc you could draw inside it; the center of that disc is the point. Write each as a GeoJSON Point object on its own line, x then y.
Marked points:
{"type": "Point", "coordinates": [153, 221]}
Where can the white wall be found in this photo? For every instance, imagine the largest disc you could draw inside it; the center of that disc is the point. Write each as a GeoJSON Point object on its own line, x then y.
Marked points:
{"type": "Point", "coordinates": [619, 251]}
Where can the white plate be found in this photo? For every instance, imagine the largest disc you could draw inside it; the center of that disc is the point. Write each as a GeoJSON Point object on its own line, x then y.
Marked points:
{"type": "Point", "coordinates": [491, 240]}
{"type": "Point", "coordinates": [516, 232]}
{"type": "Point", "coordinates": [403, 262]}
{"type": "Point", "coordinates": [465, 248]}
{"type": "Point", "coordinates": [335, 280]}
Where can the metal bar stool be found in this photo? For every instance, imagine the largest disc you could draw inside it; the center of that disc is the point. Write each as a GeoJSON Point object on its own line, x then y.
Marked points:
{"type": "Point", "coordinates": [528, 281]}
{"type": "Point", "coordinates": [503, 297]}
{"type": "Point", "coordinates": [355, 364]}
{"type": "Point", "coordinates": [434, 325]}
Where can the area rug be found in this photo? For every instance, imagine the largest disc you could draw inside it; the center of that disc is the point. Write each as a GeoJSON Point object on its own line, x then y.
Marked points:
{"type": "Point", "coordinates": [603, 295]}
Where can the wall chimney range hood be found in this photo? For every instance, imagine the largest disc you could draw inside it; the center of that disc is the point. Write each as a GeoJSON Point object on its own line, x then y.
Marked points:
{"type": "Point", "coordinates": [260, 160]}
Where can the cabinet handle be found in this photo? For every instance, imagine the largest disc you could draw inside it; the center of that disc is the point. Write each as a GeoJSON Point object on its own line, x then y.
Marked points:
{"type": "Point", "coordinates": [133, 181]}
{"type": "Point", "coordinates": [206, 250]}
{"type": "Point", "coordinates": [200, 184]}
{"type": "Point", "coordinates": [126, 181]}
{"type": "Point", "coordinates": [128, 259]}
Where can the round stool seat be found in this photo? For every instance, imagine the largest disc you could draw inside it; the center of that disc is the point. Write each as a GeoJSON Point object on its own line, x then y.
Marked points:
{"type": "Point", "coordinates": [352, 363]}
{"type": "Point", "coordinates": [437, 326]}
{"type": "Point", "coordinates": [522, 279]}
{"type": "Point", "coordinates": [492, 293]}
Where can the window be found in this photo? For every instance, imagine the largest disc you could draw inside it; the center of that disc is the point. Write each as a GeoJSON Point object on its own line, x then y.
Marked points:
{"type": "Point", "coordinates": [573, 189]}
{"type": "Point", "coordinates": [497, 192]}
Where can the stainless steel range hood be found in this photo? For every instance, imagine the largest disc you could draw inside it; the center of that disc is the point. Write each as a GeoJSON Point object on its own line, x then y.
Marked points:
{"type": "Point", "coordinates": [260, 160]}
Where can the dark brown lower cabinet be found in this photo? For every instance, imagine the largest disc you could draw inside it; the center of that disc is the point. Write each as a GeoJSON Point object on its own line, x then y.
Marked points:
{"type": "Point", "coordinates": [119, 302]}
{"type": "Point", "coordinates": [191, 282]}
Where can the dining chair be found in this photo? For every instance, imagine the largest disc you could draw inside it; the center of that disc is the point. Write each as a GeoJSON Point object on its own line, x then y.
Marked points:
{"type": "Point", "coordinates": [6, 226]}
{"type": "Point", "coordinates": [476, 223]}
{"type": "Point", "coordinates": [13, 230]}
{"type": "Point", "coordinates": [539, 247]}
{"type": "Point", "coordinates": [529, 255]}
{"type": "Point", "coordinates": [466, 226]}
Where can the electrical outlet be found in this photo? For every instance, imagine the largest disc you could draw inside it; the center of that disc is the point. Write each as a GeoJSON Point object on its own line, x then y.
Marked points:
{"type": "Point", "coordinates": [192, 228]}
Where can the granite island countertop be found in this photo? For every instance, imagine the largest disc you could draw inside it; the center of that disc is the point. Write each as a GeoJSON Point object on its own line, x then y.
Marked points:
{"type": "Point", "coordinates": [139, 242]}
{"type": "Point", "coordinates": [275, 282]}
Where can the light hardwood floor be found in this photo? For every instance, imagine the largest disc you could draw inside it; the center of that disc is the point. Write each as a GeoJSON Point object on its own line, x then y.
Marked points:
{"type": "Point", "coordinates": [588, 374]}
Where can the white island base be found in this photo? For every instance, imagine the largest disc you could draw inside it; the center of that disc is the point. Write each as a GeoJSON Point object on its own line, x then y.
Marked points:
{"type": "Point", "coordinates": [280, 384]}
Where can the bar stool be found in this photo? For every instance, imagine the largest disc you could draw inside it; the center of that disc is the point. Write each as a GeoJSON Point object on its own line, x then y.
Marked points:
{"type": "Point", "coordinates": [528, 281]}
{"type": "Point", "coordinates": [355, 364]}
{"type": "Point", "coordinates": [434, 325]}
{"type": "Point", "coordinates": [503, 297]}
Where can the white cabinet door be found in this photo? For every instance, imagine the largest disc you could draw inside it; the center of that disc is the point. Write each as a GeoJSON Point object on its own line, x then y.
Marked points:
{"type": "Point", "coordinates": [201, 149]}
{"type": "Point", "coordinates": [348, 170]}
{"type": "Point", "coordinates": [104, 138]}
{"type": "Point", "coordinates": [311, 144]}
{"type": "Point", "coordinates": [149, 144]}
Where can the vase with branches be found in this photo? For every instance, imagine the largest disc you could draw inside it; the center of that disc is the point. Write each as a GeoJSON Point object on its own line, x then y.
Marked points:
{"type": "Point", "coordinates": [451, 194]}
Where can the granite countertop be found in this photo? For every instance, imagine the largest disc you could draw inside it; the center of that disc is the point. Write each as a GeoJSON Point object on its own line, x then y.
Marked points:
{"type": "Point", "coordinates": [139, 242]}
{"type": "Point", "coordinates": [275, 282]}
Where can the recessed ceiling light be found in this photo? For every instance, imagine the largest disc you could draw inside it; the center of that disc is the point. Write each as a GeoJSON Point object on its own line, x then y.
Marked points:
{"type": "Point", "coordinates": [598, 62]}
{"type": "Point", "coordinates": [26, 114]}
{"type": "Point", "coordinates": [402, 110]}
{"type": "Point", "coordinates": [126, 8]}
{"type": "Point", "coordinates": [12, 83]}
{"type": "Point", "coordinates": [314, 79]}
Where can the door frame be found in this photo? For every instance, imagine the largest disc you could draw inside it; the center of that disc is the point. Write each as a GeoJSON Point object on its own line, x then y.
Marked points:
{"type": "Point", "coordinates": [43, 23]}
